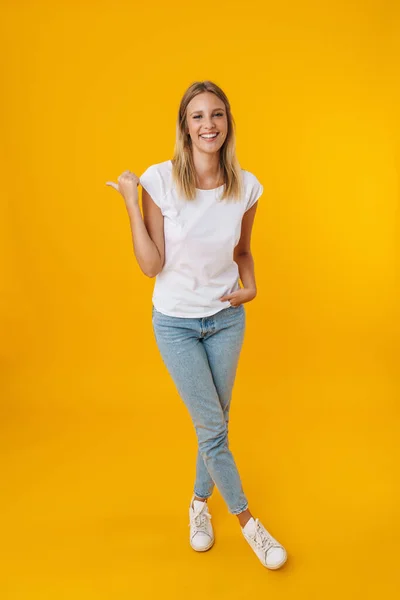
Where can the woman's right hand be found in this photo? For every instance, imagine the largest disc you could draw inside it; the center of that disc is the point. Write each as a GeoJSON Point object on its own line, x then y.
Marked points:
{"type": "Point", "coordinates": [127, 187]}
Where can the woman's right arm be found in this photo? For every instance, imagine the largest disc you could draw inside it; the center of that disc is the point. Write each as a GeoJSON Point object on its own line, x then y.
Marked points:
{"type": "Point", "coordinates": [147, 232]}
{"type": "Point", "coordinates": [147, 235]}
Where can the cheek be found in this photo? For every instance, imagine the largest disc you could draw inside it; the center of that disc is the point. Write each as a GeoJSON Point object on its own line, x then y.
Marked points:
{"type": "Point", "coordinates": [193, 128]}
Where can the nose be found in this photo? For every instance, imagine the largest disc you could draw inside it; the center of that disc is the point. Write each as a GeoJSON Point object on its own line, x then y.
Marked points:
{"type": "Point", "coordinates": [208, 123]}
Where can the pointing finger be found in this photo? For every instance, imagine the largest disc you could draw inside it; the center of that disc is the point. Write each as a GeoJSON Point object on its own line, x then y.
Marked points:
{"type": "Point", "coordinates": [112, 184]}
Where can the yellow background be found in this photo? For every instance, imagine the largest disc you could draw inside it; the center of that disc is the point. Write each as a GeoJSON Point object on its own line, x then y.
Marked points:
{"type": "Point", "coordinates": [98, 451]}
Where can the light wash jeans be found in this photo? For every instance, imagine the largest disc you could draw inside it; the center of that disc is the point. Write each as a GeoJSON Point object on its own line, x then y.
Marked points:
{"type": "Point", "coordinates": [201, 355]}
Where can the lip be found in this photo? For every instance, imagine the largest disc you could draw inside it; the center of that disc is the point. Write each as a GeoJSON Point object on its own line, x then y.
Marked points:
{"type": "Point", "coordinates": [211, 139]}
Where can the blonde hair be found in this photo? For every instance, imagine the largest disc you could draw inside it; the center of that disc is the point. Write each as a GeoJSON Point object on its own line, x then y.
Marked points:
{"type": "Point", "coordinates": [183, 170]}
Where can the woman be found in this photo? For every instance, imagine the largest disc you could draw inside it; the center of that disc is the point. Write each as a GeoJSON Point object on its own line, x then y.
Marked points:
{"type": "Point", "coordinates": [198, 213]}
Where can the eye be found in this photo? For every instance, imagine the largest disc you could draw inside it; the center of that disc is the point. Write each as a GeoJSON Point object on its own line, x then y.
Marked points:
{"type": "Point", "coordinates": [216, 115]}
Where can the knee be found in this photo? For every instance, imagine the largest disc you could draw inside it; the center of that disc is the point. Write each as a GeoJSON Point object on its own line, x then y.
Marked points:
{"type": "Point", "coordinates": [211, 442]}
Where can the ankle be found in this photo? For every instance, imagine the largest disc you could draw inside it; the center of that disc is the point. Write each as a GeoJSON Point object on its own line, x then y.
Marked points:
{"type": "Point", "coordinates": [199, 499]}
{"type": "Point", "coordinates": [244, 517]}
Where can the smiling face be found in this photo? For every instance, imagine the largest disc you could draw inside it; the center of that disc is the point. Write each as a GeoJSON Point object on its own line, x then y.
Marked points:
{"type": "Point", "coordinates": [206, 116]}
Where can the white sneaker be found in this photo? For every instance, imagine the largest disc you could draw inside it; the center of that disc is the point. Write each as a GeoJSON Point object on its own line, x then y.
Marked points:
{"type": "Point", "coordinates": [201, 530]}
{"type": "Point", "coordinates": [270, 552]}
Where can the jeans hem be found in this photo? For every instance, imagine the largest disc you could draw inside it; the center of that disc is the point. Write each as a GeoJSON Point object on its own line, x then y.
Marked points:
{"type": "Point", "coordinates": [236, 512]}
{"type": "Point", "coordinates": [202, 497]}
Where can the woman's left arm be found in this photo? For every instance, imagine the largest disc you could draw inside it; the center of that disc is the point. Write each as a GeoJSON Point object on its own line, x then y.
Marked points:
{"type": "Point", "coordinates": [245, 263]}
{"type": "Point", "coordinates": [244, 259]}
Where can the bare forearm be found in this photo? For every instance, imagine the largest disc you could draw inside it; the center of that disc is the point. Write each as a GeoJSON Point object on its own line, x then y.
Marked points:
{"type": "Point", "coordinates": [245, 263]}
{"type": "Point", "coordinates": [145, 250]}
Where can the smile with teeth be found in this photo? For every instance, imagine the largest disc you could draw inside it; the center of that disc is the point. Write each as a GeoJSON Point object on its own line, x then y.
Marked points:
{"type": "Point", "coordinates": [209, 136]}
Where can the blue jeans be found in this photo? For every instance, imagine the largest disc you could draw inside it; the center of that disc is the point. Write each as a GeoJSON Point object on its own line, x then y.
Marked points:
{"type": "Point", "coordinates": [201, 355]}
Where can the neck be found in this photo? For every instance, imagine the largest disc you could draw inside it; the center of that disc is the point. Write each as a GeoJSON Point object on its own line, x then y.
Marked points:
{"type": "Point", "coordinates": [208, 169]}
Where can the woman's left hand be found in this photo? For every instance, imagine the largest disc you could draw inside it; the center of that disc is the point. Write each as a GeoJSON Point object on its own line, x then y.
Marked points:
{"type": "Point", "coordinates": [240, 296]}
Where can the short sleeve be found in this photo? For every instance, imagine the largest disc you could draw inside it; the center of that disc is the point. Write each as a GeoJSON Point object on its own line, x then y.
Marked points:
{"type": "Point", "coordinates": [149, 180]}
{"type": "Point", "coordinates": [256, 189]}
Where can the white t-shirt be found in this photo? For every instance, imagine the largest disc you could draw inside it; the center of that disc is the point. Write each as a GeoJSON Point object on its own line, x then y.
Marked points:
{"type": "Point", "coordinates": [200, 236]}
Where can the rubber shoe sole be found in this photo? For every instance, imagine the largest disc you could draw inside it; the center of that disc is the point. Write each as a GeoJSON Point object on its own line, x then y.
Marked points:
{"type": "Point", "coordinates": [210, 545]}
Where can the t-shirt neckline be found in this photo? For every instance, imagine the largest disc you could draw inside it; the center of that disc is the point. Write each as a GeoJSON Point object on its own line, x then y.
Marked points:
{"type": "Point", "coordinates": [201, 190]}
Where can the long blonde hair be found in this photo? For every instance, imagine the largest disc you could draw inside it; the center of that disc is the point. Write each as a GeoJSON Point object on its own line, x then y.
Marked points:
{"type": "Point", "coordinates": [183, 170]}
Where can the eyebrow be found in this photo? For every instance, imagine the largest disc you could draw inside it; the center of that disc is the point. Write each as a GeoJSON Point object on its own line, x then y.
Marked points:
{"type": "Point", "coordinates": [200, 111]}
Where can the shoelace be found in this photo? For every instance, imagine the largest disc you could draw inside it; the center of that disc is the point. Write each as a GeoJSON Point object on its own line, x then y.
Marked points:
{"type": "Point", "coordinates": [263, 539]}
{"type": "Point", "coordinates": [200, 520]}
